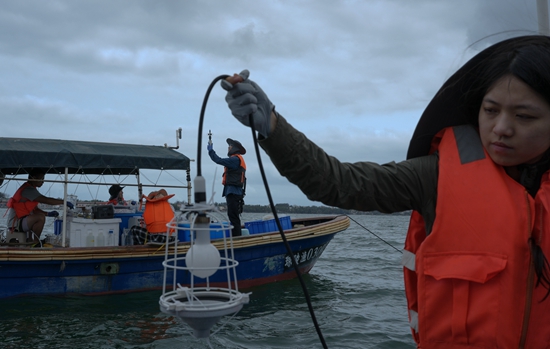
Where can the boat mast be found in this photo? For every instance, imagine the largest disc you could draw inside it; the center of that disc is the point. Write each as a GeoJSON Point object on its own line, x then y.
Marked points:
{"type": "Point", "coordinates": [64, 224]}
{"type": "Point", "coordinates": [542, 14]}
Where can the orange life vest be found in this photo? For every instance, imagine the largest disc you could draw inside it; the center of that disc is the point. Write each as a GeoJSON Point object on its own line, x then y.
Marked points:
{"type": "Point", "coordinates": [116, 202]}
{"type": "Point", "coordinates": [470, 283]}
{"type": "Point", "coordinates": [22, 208]}
{"type": "Point", "coordinates": [157, 214]}
{"type": "Point", "coordinates": [236, 176]}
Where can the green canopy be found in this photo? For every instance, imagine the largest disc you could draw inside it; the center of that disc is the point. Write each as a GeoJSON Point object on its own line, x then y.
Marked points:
{"type": "Point", "coordinates": [19, 155]}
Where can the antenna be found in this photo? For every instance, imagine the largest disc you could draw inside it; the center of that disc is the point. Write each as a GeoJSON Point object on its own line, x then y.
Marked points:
{"type": "Point", "coordinates": [178, 137]}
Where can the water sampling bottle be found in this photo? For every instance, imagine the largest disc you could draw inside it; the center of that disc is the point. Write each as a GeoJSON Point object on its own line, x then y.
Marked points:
{"type": "Point", "coordinates": [100, 238]}
{"type": "Point", "coordinates": [90, 239]}
{"type": "Point", "coordinates": [112, 238]}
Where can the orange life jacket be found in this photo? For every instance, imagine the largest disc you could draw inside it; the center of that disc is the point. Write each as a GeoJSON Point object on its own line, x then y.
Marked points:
{"type": "Point", "coordinates": [116, 202]}
{"type": "Point", "coordinates": [236, 176]}
{"type": "Point", "coordinates": [157, 214]}
{"type": "Point", "coordinates": [470, 283]}
{"type": "Point", "coordinates": [22, 208]}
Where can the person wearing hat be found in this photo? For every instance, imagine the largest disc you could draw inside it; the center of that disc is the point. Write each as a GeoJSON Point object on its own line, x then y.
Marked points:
{"type": "Point", "coordinates": [117, 197]}
{"type": "Point", "coordinates": [477, 179]}
{"type": "Point", "coordinates": [233, 180]}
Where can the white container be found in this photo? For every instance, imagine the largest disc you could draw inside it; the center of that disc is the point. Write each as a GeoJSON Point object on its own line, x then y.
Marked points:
{"type": "Point", "coordinates": [126, 238]}
{"type": "Point", "coordinates": [134, 221]}
{"type": "Point", "coordinates": [73, 199]}
{"type": "Point", "coordinates": [85, 232]}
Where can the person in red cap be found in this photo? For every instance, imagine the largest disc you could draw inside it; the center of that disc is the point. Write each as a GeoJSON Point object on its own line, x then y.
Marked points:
{"type": "Point", "coordinates": [233, 180]}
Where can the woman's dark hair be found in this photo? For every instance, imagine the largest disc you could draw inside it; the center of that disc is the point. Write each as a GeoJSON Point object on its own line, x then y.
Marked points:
{"type": "Point", "coordinates": [458, 101]}
{"type": "Point", "coordinates": [542, 268]}
{"type": "Point", "coordinates": [527, 58]}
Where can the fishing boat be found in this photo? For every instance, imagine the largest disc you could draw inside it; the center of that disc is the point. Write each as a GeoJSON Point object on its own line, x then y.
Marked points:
{"type": "Point", "coordinates": [73, 266]}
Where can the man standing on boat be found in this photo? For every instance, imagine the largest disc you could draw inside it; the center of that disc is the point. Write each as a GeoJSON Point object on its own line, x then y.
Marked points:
{"type": "Point", "coordinates": [234, 180]}
{"type": "Point", "coordinates": [24, 214]}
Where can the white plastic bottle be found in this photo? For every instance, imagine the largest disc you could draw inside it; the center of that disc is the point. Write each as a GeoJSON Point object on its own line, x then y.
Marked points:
{"type": "Point", "coordinates": [123, 237]}
{"type": "Point", "coordinates": [112, 238]}
{"type": "Point", "coordinates": [90, 241]}
{"type": "Point", "coordinates": [128, 237]}
{"type": "Point", "coordinates": [100, 241]}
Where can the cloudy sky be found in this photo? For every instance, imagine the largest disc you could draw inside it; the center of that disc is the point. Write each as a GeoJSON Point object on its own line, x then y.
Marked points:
{"type": "Point", "coordinates": [352, 75]}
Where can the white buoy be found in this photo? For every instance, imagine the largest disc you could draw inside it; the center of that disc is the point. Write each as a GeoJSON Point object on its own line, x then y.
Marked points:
{"type": "Point", "coordinates": [200, 307]}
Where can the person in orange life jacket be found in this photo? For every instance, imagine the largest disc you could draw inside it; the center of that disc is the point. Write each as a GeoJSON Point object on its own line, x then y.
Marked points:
{"type": "Point", "coordinates": [24, 215]}
{"type": "Point", "coordinates": [157, 214]}
{"type": "Point", "coordinates": [117, 197]}
{"type": "Point", "coordinates": [477, 180]}
{"type": "Point", "coordinates": [234, 181]}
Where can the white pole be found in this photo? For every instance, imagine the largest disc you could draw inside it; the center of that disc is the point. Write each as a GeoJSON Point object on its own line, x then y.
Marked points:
{"type": "Point", "coordinates": [64, 225]}
{"type": "Point", "coordinates": [542, 14]}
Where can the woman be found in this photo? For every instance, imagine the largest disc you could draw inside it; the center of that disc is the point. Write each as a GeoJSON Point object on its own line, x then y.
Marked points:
{"type": "Point", "coordinates": [476, 273]}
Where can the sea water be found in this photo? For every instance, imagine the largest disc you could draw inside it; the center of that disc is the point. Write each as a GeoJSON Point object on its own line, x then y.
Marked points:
{"type": "Point", "coordinates": [356, 289]}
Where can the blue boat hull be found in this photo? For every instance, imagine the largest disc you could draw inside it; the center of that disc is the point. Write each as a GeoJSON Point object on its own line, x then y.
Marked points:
{"type": "Point", "coordinates": [108, 270]}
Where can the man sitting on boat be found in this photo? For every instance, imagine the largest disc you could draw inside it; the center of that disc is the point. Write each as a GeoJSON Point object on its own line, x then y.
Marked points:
{"type": "Point", "coordinates": [24, 215]}
{"type": "Point", "coordinates": [234, 180]}
{"type": "Point", "coordinates": [117, 197]}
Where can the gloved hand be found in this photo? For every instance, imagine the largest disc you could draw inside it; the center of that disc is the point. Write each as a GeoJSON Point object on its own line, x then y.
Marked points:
{"type": "Point", "coordinates": [210, 146]}
{"type": "Point", "coordinates": [70, 205]}
{"type": "Point", "coordinates": [245, 98]}
{"type": "Point", "coordinates": [53, 214]}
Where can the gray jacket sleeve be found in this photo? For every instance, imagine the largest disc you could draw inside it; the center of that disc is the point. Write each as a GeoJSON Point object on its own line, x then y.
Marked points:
{"type": "Point", "coordinates": [363, 186]}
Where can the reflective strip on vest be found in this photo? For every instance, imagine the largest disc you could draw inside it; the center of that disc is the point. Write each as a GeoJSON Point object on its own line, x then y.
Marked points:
{"type": "Point", "coordinates": [469, 144]}
{"type": "Point", "coordinates": [413, 322]}
{"type": "Point", "coordinates": [408, 260]}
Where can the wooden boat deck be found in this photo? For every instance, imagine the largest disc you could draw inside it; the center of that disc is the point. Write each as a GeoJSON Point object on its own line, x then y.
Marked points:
{"type": "Point", "coordinates": [302, 229]}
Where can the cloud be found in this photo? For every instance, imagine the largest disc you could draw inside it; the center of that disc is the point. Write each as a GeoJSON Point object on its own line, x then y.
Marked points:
{"type": "Point", "coordinates": [353, 75]}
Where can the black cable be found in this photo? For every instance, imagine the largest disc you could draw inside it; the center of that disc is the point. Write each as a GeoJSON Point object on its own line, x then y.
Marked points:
{"type": "Point", "coordinates": [395, 248]}
{"type": "Point", "coordinates": [201, 119]}
{"type": "Point", "coordinates": [281, 232]}
{"type": "Point", "coordinates": [272, 206]}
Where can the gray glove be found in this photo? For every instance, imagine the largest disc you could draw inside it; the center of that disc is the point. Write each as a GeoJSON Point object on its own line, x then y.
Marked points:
{"type": "Point", "coordinates": [245, 98]}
